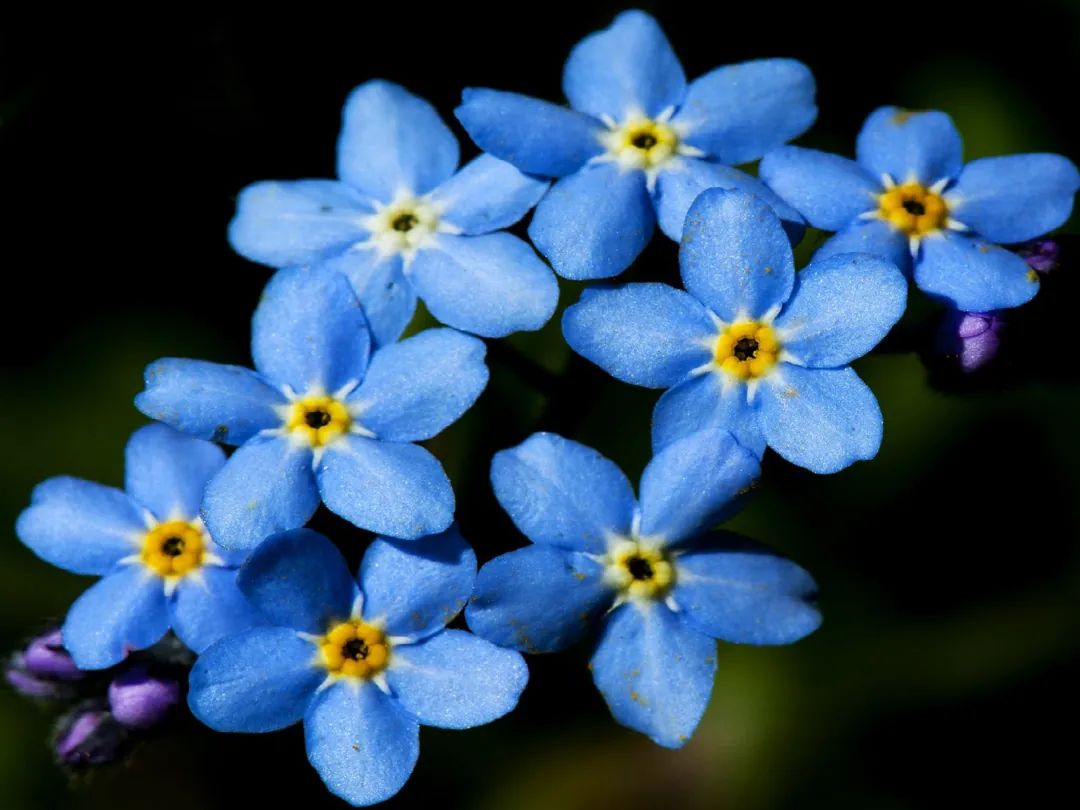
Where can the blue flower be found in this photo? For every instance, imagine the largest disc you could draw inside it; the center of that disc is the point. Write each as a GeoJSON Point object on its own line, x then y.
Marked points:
{"type": "Point", "coordinates": [363, 668]}
{"type": "Point", "coordinates": [639, 143]}
{"type": "Point", "coordinates": [662, 586]}
{"type": "Point", "coordinates": [403, 222]}
{"type": "Point", "coordinates": [320, 418]}
{"type": "Point", "coordinates": [749, 347]}
{"type": "Point", "coordinates": [159, 566]}
{"type": "Point", "coordinates": [909, 197]}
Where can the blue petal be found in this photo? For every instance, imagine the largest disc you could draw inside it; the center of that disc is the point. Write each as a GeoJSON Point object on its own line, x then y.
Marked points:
{"type": "Point", "coordinates": [227, 404]}
{"type": "Point", "coordinates": [563, 493]}
{"type": "Point", "coordinates": [690, 484]}
{"type": "Point", "coordinates": [707, 402]}
{"type": "Point", "coordinates": [737, 592]}
{"type": "Point", "coordinates": [821, 419]}
{"type": "Point", "coordinates": [735, 257]}
{"type": "Point", "coordinates": [869, 236]}
{"type": "Point", "coordinates": [208, 606]}
{"type": "Point", "coordinates": [655, 672]}
{"type": "Point", "coordinates": [299, 579]}
{"type": "Point", "coordinates": [417, 388]}
{"type": "Point", "coordinates": [737, 113]}
{"type": "Point", "coordinates": [829, 190]}
{"type": "Point", "coordinates": [261, 680]}
{"type": "Point", "coordinates": [361, 742]}
{"type": "Point", "coordinates": [487, 195]}
{"type": "Point", "coordinates": [309, 331]}
{"type": "Point", "coordinates": [267, 486]}
{"type": "Point", "coordinates": [537, 599]}
{"type": "Point", "coordinates": [536, 136]}
{"type": "Point", "coordinates": [973, 275]}
{"type": "Point", "coordinates": [682, 182]}
{"type": "Point", "coordinates": [922, 146]}
{"type": "Point", "coordinates": [387, 488]}
{"type": "Point", "coordinates": [456, 680]}
{"type": "Point", "coordinates": [167, 471]}
{"type": "Point", "coordinates": [80, 526]}
{"type": "Point", "coordinates": [842, 307]}
{"type": "Point", "coordinates": [287, 223]}
{"type": "Point", "coordinates": [595, 222]}
{"type": "Point", "coordinates": [1015, 198]}
{"type": "Point", "coordinates": [627, 68]}
{"type": "Point", "coordinates": [125, 611]}
{"type": "Point", "coordinates": [417, 586]}
{"type": "Point", "coordinates": [490, 285]}
{"type": "Point", "coordinates": [645, 334]}
{"type": "Point", "coordinates": [386, 295]}
{"type": "Point", "coordinates": [393, 141]}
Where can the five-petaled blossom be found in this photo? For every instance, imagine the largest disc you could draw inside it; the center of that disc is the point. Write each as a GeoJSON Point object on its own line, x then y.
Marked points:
{"type": "Point", "coordinates": [639, 143]}
{"type": "Point", "coordinates": [402, 222]}
{"type": "Point", "coordinates": [909, 197]}
{"type": "Point", "coordinates": [320, 418]}
{"type": "Point", "coordinates": [363, 667]}
{"type": "Point", "coordinates": [750, 347]}
{"type": "Point", "coordinates": [663, 586]}
{"type": "Point", "coordinates": [158, 565]}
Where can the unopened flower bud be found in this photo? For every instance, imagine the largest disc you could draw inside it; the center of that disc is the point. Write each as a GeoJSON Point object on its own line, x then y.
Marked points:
{"type": "Point", "coordinates": [141, 700]}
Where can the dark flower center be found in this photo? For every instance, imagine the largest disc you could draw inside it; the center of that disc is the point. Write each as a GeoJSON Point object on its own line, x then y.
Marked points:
{"type": "Point", "coordinates": [404, 222]}
{"type": "Point", "coordinates": [173, 546]}
{"type": "Point", "coordinates": [643, 141]}
{"type": "Point", "coordinates": [914, 207]}
{"type": "Point", "coordinates": [317, 419]}
{"type": "Point", "coordinates": [639, 568]}
{"type": "Point", "coordinates": [745, 349]}
{"type": "Point", "coordinates": [356, 649]}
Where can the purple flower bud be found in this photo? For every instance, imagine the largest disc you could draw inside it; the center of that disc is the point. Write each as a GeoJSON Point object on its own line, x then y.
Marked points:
{"type": "Point", "coordinates": [1041, 255]}
{"type": "Point", "coordinates": [28, 685]}
{"type": "Point", "coordinates": [972, 337]}
{"type": "Point", "coordinates": [141, 700]}
{"type": "Point", "coordinates": [89, 737]}
{"type": "Point", "coordinates": [46, 657]}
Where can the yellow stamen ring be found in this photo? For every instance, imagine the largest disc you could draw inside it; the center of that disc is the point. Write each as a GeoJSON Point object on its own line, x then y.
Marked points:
{"type": "Point", "coordinates": [174, 548]}
{"type": "Point", "coordinates": [318, 420]}
{"type": "Point", "coordinates": [746, 350]}
{"type": "Point", "coordinates": [640, 570]}
{"type": "Point", "coordinates": [913, 209]}
{"type": "Point", "coordinates": [354, 649]}
{"type": "Point", "coordinates": [643, 143]}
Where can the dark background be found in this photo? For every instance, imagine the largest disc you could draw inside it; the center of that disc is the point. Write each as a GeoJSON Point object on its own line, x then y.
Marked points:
{"type": "Point", "coordinates": [947, 667]}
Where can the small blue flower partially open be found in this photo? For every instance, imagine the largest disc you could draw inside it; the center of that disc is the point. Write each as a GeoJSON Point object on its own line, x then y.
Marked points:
{"type": "Point", "coordinates": [403, 222]}
{"type": "Point", "coordinates": [363, 665]}
{"type": "Point", "coordinates": [639, 143]}
{"type": "Point", "coordinates": [663, 586]}
{"type": "Point", "coordinates": [909, 198]}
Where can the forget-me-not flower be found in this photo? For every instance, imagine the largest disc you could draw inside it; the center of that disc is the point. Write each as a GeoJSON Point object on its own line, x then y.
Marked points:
{"type": "Point", "coordinates": [750, 347]}
{"type": "Point", "coordinates": [159, 566]}
{"type": "Point", "coordinates": [319, 418]}
{"type": "Point", "coordinates": [663, 587]}
{"type": "Point", "coordinates": [404, 221]}
{"type": "Point", "coordinates": [639, 143]}
{"type": "Point", "coordinates": [363, 667]}
{"type": "Point", "coordinates": [908, 196]}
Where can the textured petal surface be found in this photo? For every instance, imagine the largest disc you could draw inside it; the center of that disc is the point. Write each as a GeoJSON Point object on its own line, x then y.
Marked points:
{"type": "Point", "coordinates": [299, 579]}
{"type": "Point", "coordinates": [595, 222]}
{"type": "Point", "coordinates": [973, 275]}
{"type": "Point", "coordinates": [655, 672]}
{"type": "Point", "coordinates": [829, 190]}
{"type": "Point", "coordinates": [821, 419]}
{"type": "Point", "coordinates": [227, 404]}
{"type": "Point", "coordinates": [392, 140]}
{"type": "Point", "coordinates": [385, 487]}
{"type": "Point", "coordinates": [537, 599]}
{"type": "Point", "coordinates": [417, 586]}
{"type": "Point", "coordinates": [489, 285]}
{"type": "Point", "coordinates": [386, 295]}
{"type": "Point", "coordinates": [707, 403]}
{"type": "Point", "coordinates": [842, 307]}
{"type": "Point", "coordinates": [735, 257]}
{"type": "Point", "coordinates": [645, 334]}
{"type": "Point", "coordinates": [208, 607]}
{"type": "Point", "coordinates": [417, 388]}
{"type": "Point", "coordinates": [80, 526]}
{"type": "Point", "coordinates": [923, 146]}
{"type": "Point", "coordinates": [167, 471]}
{"type": "Point", "coordinates": [737, 113]}
{"type": "Point", "coordinates": [125, 611]}
{"type": "Point", "coordinates": [456, 680]}
{"type": "Point", "coordinates": [562, 493]}
{"type": "Point", "coordinates": [261, 680]}
{"type": "Point", "coordinates": [361, 742]}
{"type": "Point", "coordinates": [486, 195]}
{"type": "Point", "coordinates": [265, 487]}
{"type": "Point", "coordinates": [874, 237]}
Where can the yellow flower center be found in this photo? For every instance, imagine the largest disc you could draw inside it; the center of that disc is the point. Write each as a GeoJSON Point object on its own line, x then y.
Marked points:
{"type": "Point", "coordinates": [642, 143]}
{"type": "Point", "coordinates": [403, 226]}
{"type": "Point", "coordinates": [355, 649]}
{"type": "Point", "coordinates": [747, 349]}
{"type": "Point", "coordinates": [318, 420]}
{"type": "Point", "coordinates": [639, 570]}
{"type": "Point", "coordinates": [913, 209]}
{"type": "Point", "coordinates": [174, 548]}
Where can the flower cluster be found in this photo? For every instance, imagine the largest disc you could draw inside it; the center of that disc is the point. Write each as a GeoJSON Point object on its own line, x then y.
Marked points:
{"type": "Point", "coordinates": [213, 550]}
